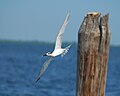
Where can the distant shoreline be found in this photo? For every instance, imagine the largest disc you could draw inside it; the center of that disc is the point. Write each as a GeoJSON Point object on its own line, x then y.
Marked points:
{"type": "Point", "coordinates": [41, 42]}
{"type": "Point", "coordinates": [33, 42]}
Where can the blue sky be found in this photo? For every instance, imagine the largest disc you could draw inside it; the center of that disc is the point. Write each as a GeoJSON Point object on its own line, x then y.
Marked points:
{"type": "Point", "coordinates": [41, 19]}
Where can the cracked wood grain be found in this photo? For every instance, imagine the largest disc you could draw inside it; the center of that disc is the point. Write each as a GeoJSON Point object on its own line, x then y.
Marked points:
{"type": "Point", "coordinates": [93, 53]}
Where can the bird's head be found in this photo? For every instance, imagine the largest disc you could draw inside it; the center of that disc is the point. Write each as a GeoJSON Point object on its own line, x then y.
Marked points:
{"type": "Point", "coordinates": [47, 54]}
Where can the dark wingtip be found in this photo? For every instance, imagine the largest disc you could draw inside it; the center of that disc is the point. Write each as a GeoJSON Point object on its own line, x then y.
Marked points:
{"type": "Point", "coordinates": [37, 79]}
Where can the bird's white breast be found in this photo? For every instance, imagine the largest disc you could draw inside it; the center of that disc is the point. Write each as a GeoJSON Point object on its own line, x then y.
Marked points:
{"type": "Point", "coordinates": [57, 52]}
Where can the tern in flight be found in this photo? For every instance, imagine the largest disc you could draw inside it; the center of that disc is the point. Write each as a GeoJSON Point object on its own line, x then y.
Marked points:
{"type": "Point", "coordinates": [58, 50]}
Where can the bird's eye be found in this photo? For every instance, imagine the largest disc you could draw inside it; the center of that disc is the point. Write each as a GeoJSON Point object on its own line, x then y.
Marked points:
{"type": "Point", "coordinates": [49, 52]}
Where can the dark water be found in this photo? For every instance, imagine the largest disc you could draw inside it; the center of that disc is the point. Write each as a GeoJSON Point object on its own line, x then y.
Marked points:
{"type": "Point", "coordinates": [20, 64]}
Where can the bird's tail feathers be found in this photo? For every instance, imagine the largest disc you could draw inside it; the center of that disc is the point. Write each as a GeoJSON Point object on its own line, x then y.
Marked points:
{"type": "Point", "coordinates": [68, 47]}
{"type": "Point", "coordinates": [66, 50]}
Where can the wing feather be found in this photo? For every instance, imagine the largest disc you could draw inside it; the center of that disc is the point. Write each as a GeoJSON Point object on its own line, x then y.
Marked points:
{"type": "Point", "coordinates": [45, 65]}
{"type": "Point", "coordinates": [61, 31]}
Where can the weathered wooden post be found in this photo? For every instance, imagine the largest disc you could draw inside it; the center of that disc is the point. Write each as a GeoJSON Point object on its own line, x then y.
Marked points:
{"type": "Point", "coordinates": [93, 53]}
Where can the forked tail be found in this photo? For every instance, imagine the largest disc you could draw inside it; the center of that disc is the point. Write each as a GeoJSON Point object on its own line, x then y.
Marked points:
{"type": "Point", "coordinates": [66, 50]}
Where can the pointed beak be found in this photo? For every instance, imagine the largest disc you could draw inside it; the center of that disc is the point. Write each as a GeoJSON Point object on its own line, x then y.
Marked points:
{"type": "Point", "coordinates": [44, 55]}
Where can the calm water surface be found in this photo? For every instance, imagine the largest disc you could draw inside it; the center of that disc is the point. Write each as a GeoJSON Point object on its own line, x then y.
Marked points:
{"type": "Point", "coordinates": [20, 64]}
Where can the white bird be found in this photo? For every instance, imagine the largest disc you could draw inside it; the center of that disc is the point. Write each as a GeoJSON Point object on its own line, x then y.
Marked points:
{"type": "Point", "coordinates": [58, 50]}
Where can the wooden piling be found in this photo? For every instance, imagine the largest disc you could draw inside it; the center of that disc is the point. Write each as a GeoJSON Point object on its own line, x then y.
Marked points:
{"type": "Point", "coordinates": [93, 53]}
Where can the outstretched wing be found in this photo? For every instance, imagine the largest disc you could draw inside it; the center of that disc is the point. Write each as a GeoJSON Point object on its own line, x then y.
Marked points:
{"type": "Point", "coordinates": [59, 36]}
{"type": "Point", "coordinates": [45, 65]}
